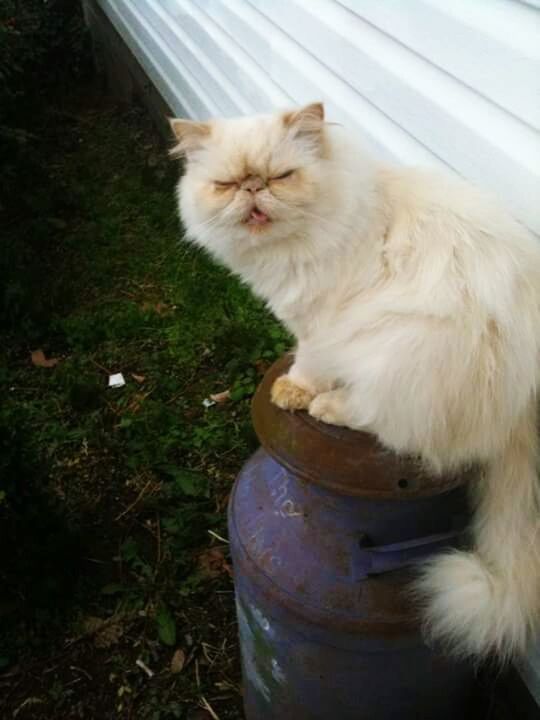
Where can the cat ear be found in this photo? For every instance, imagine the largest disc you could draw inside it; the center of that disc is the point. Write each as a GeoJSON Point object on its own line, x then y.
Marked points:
{"type": "Point", "coordinates": [190, 135]}
{"type": "Point", "coordinates": [309, 120]}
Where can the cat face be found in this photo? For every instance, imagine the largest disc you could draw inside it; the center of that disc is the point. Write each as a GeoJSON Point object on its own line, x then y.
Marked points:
{"type": "Point", "coordinates": [250, 180]}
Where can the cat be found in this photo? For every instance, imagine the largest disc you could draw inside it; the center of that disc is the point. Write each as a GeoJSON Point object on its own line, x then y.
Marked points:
{"type": "Point", "coordinates": [415, 303]}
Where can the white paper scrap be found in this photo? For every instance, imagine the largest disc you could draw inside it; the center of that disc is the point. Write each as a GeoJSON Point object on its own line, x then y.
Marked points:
{"type": "Point", "coordinates": [116, 380]}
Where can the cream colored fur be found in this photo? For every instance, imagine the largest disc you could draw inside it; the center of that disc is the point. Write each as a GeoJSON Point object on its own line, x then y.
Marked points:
{"type": "Point", "coordinates": [415, 301]}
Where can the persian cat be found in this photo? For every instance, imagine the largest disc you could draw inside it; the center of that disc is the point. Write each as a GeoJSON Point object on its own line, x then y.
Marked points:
{"type": "Point", "coordinates": [415, 303]}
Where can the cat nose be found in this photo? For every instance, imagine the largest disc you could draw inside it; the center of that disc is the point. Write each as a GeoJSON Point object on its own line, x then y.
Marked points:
{"type": "Point", "coordinates": [253, 184]}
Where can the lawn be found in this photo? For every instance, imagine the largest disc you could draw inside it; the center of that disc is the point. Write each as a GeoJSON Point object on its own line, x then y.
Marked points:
{"type": "Point", "coordinates": [117, 598]}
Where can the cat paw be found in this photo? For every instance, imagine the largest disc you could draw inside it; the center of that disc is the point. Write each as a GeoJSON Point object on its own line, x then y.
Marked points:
{"type": "Point", "coordinates": [328, 407]}
{"type": "Point", "coordinates": [289, 396]}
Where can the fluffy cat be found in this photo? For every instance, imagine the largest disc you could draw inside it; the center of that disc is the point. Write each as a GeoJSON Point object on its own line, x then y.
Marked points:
{"type": "Point", "coordinates": [415, 302]}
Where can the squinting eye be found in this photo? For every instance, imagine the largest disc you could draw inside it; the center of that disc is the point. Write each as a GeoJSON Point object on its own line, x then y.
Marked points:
{"type": "Point", "coordinates": [224, 184]}
{"type": "Point", "coordinates": [283, 175]}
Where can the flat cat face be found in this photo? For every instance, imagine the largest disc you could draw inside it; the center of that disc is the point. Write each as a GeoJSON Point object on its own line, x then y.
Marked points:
{"type": "Point", "coordinates": [250, 179]}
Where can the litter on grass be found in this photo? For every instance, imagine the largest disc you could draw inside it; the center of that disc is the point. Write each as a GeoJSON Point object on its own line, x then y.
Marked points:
{"type": "Point", "coordinates": [116, 380]}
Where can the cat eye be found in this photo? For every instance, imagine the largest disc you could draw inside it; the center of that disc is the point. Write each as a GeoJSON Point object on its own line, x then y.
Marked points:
{"type": "Point", "coordinates": [283, 175]}
{"type": "Point", "coordinates": [225, 183]}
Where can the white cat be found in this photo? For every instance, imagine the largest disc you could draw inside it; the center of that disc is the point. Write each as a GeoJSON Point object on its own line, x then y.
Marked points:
{"type": "Point", "coordinates": [415, 302]}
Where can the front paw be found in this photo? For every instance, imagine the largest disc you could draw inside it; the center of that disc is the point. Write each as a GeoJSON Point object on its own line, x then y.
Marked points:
{"type": "Point", "coordinates": [328, 407]}
{"type": "Point", "coordinates": [289, 396]}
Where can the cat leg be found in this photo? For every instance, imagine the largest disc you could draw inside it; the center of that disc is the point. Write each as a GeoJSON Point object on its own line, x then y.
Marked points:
{"type": "Point", "coordinates": [288, 395]}
{"type": "Point", "coordinates": [296, 389]}
{"type": "Point", "coordinates": [344, 407]}
{"type": "Point", "coordinates": [336, 407]}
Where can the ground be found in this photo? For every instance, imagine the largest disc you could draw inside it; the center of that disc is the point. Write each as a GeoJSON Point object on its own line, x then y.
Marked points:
{"type": "Point", "coordinates": [117, 598]}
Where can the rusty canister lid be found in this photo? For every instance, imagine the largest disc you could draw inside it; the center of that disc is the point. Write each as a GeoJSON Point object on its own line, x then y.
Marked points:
{"type": "Point", "coordinates": [343, 460]}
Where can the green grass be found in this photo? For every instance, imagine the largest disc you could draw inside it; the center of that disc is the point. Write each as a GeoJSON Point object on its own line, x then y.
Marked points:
{"type": "Point", "coordinates": [107, 496]}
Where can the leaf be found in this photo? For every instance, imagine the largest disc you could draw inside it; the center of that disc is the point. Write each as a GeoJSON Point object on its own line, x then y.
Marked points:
{"type": "Point", "coordinates": [105, 633]}
{"type": "Point", "coordinates": [221, 397]}
{"type": "Point", "coordinates": [138, 378]}
{"type": "Point", "coordinates": [129, 550]}
{"type": "Point", "coordinates": [212, 563]}
{"type": "Point", "coordinates": [237, 393]}
{"type": "Point", "coordinates": [39, 360]}
{"type": "Point", "coordinates": [112, 589]}
{"type": "Point", "coordinates": [189, 482]}
{"type": "Point", "coordinates": [159, 307]}
{"type": "Point", "coordinates": [110, 635]}
{"type": "Point", "coordinates": [166, 626]}
{"type": "Point", "coordinates": [178, 661]}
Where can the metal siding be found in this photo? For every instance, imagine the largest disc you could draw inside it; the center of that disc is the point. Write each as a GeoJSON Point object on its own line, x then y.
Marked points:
{"type": "Point", "coordinates": [485, 44]}
{"type": "Point", "coordinates": [425, 82]}
{"type": "Point", "coordinates": [439, 112]}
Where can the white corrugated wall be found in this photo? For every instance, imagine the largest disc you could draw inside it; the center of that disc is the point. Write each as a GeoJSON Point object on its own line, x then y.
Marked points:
{"type": "Point", "coordinates": [425, 81]}
{"type": "Point", "coordinates": [445, 82]}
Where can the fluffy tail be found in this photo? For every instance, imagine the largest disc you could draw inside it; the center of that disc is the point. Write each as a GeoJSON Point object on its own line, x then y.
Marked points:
{"type": "Point", "coordinates": [487, 602]}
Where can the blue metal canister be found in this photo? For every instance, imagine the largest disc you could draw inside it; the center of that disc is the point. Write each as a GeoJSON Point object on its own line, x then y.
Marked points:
{"type": "Point", "coordinates": [324, 525]}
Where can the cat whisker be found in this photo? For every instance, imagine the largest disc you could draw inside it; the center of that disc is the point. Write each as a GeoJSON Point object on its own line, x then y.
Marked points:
{"type": "Point", "coordinates": [206, 225]}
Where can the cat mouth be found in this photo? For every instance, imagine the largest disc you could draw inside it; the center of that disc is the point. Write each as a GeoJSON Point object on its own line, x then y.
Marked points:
{"type": "Point", "coordinates": [257, 217]}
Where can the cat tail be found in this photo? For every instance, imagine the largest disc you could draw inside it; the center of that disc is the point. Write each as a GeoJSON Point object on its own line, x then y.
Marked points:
{"type": "Point", "coordinates": [487, 602]}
